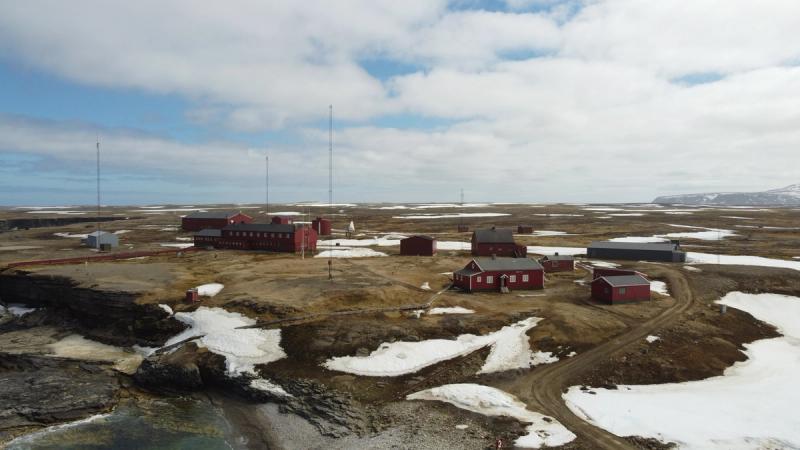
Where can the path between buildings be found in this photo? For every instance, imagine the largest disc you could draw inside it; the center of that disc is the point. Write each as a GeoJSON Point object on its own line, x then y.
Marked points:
{"type": "Point", "coordinates": [542, 388]}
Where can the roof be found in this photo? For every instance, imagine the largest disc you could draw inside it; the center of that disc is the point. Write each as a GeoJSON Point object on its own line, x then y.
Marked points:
{"type": "Point", "coordinates": [420, 236]}
{"type": "Point", "coordinates": [209, 232]}
{"type": "Point", "coordinates": [558, 258]}
{"type": "Point", "coordinates": [213, 214]}
{"type": "Point", "coordinates": [649, 246]}
{"type": "Point", "coordinates": [98, 233]}
{"type": "Point", "coordinates": [625, 280]}
{"type": "Point", "coordinates": [466, 272]}
{"type": "Point", "coordinates": [488, 264]}
{"type": "Point", "coordinates": [263, 227]}
{"type": "Point", "coordinates": [494, 236]}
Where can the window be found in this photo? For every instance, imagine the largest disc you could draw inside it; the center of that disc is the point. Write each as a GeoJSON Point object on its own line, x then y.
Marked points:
{"type": "Point", "coordinates": [479, 279]}
{"type": "Point", "coordinates": [512, 279]}
{"type": "Point", "coordinates": [489, 279]}
{"type": "Point", "coordinates": [621, 291]}
{"type": "Point", "coordinates": [525, 278]}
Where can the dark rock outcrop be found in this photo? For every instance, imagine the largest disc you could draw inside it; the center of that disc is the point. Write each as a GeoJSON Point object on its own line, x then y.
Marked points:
{"type": "Point", "coordinates": [111, 317]}
{"type": "Point", "coordinates": [37, 222]}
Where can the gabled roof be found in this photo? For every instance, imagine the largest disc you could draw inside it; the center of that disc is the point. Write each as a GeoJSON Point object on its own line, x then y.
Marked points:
{"type": "Point", "coordinates": [557, 258]}
{"type": "Point", "coordinates": [650, 246]}
{"type": "Point", "coordinates": [98, 233]}
{"type": "Point", "coordinates": [466, 272]}
{"type": "Point", "coordinates": [625, 280]}
{"type": "Point", "coordinates": [490, 264]}
{"type": "Point", "coordinates": [494, 236]}
{"type": "Point", "coordinates": [211, 232]}
{"type": "Point", "coordinates": [213, 214]}
{"type": "Point", "coordinates": [261, 227]}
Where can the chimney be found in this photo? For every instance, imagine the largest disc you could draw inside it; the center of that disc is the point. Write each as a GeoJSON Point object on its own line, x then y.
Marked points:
{"type": "Point", "coordinates": [556, 254]}
{"type": "Point", "coordinates": [492, 227]}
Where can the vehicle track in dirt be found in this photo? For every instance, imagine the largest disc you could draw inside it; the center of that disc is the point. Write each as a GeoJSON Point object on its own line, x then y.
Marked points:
{"type": "Point", "coordinates": [542, 388]}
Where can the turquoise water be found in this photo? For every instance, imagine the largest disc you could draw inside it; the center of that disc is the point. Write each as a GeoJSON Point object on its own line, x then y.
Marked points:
{"type": "Point", "coordinates": [164, 424]}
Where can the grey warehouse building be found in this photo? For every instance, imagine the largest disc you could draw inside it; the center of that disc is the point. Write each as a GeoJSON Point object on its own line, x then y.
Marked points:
{"type": "Point", "coordinates": [650, 251]}
{"type": "Point", "coordinates": [98, 238]}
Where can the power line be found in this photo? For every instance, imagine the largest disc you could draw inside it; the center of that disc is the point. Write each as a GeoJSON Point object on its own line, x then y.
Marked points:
{"type": "Point", "coordinates": [330, 184]}
{"type": "Point", "coordinates": [97, 217]}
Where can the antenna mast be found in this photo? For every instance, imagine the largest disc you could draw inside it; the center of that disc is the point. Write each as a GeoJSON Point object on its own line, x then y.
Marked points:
{"type": "Point", "coordinates": [330, 183]}
{"type": "Point", "coordinates": [266, 184]}
{"type": "Point", "coordinates": [97, 217]}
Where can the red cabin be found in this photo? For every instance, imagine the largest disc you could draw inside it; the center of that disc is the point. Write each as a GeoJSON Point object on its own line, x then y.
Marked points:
{"type": "Point", "coordinates": [282, 220]}
{"type": "Point", "coordinates": [558, 263]}
{"type": "Point", "coordinates": [497, 242]}
{"type": "Point", "coordinates": [192, 295]}
{"type": "Point", "coordinates": [260, 236]}
{"type": "Point", "coordinates": [213, 220]}
{"type": "Point", "coordinates": [525, 229]}
{"type": "Point", "coordinates": [621, 289]}
{"type": "Point", "coordinates": [499, 274]}
{"type": "Point", "coordinates": [418, 246]}
{"type": "Point", "coordinates": [321, 226]}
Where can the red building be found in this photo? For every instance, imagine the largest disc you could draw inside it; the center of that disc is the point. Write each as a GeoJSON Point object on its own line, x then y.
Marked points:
{"type": "Point", "coordinates": [497, 242]}
{"type": "Point", "coordinates": [321, 226]}
{"type": "Point", "coordinates": [213, 219]}
{"type": "Point", "coordinates": [525, 229]}
{"type": "Point", "coordinates": [598, 272]}
{"type": "Point", "coordinates": [418, 246]}
{"type": "Point", "coordinates": [558, 263]}
{"type": "Point", "coordinates": [621, 289]}
{"type": "Point", "coordinates": [282, 220]}
{"type": "Point", "coordinates": [260, 236]}
{"type": "Point", "coordinates": [499, 274]}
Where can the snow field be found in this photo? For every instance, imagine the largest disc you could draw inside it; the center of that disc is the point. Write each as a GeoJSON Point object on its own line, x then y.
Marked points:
{"type": "Point", "coordinates": [660, 287]}
{"type": "Point", "coordinates": [450, 310]}
{"type": "Point", "coordinates": [349, 253]}
{"type": "Point", "coordinates": [509, 350]}
{"type": "Point", "coordinates": [751, 406]}
{"type": "Point", "coordinates": [542, 430]}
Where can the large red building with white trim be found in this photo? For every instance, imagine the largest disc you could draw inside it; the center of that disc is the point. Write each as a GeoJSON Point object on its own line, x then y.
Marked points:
{"type": "Point", "coordinates": [213, 219]}
{"type": "Point", "coordinates": [497, 242]}
{"type": "Point", "coordinates": [259, 236]}
{"type": "Point", "coordinates": [499, 274]}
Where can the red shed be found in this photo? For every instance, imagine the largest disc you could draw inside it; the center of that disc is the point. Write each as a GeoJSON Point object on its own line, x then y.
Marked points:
{"type": "Point", "coordinates": [418, 246]}
{"type": "Point", "coordinates": [620, 289]}
{"type": "Point", "coordinates": [282, 220]}
{"type": "Point", "coordinates": [525, 229]}
{"type": "Point", "coordinates": [321, 226]}
{"type": "Point", "coordinates": [496, 241]}
{"type": "Point", "coordinates": [213, 220]}
{"type": "Point", "coordinates": [499, 274]}
{"type": "Point", "coordinates": [558, 263]}
{"type": "Point", "coordinates": [462, 228]}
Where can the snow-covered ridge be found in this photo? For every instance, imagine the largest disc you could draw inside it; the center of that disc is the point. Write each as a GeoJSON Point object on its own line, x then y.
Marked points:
{"type": "Point", "coordinates": [786, 196]}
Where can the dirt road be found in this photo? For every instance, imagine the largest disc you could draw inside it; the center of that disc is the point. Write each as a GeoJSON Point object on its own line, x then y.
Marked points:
{"type": "Point", "coordinates": [541, 389]}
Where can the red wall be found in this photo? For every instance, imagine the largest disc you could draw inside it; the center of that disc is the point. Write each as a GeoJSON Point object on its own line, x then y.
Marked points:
{"type": "Point", "coordinates": [321, 226]}
{"type": "Point", "coordinates": [415, 246]}
{"type": "Point", "coordinates": [535, 281]}
{"type": "Point", "coordinates": [498, 249]}
{"type": "Point", "coordinates": [602, 291]}
{"type": "Point", "coordinates": [291, 243]}
{"type": "Point", "coordinates": [557, 266]}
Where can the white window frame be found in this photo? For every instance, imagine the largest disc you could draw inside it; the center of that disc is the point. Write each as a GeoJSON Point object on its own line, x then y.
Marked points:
{"type": "Point", "coordinates": [512, 278]}
{"type": "Point", "coordinates": [490, 279]}
{"type": "Point", "coordinates": [479, 279]}
{"type": "Point", "coordinates": [622, 291]}
{"type": "Point", "coordinates": [525, 278]}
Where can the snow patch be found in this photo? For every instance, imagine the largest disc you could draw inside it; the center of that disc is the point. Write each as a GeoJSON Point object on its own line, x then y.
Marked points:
{"type": "Point", "coordinates": [242, 348]}
{"type": "Point", "coordinates": [270, 387]}
{"type": "Point", "coordinates": [425, 286]}
{"type": "Point", "coordinates": [166, 308]}
{"type": "Point", "coordinates": [450, 215]}
{"type": "Point", "coordinates": [740, 260]}
{"type": "Point", "coordinates": [539, 250]}
{"type": "Point", "coordinates": [509, 350]}
{"type": "Point", "coordinates": [650, 339]}
{"type": "Point", "coordinates": [660, 287]}
{"type": "Point", "coordinates": [19, 309]}
{"type": "Point", "coordinates": [450, 310]}
{"type": "Point", "coordinates": [637, 239]}
{"type": "Point", "coordinates": [542, 430]}
{"type": "Point", "coordinates": [349, 253]}
{"type": "Point", "coordinates": [210, 289]}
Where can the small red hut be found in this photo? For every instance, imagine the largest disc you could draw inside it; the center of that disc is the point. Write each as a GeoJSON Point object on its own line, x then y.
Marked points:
{"type": "Point", "coordinates": [321, 226]}
{"type": "Point", "coordinates": [418, 246]}
{"type": "Point", "coordinates": [621, 289]}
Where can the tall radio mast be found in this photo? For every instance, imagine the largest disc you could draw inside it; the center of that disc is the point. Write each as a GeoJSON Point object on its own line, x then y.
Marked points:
{"type": "Point", "coordinates": [330, 183]}
{"type": "Point", "coordinates": [97, 218]}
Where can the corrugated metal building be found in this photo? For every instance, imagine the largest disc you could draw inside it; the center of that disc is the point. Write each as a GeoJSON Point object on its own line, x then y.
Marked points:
{"type": "Point", "coordinates": [651, 251]}
{"type": "Point", "coordinates": [213, 219]}
{"type": "Point", "coordinates": [497, 242]}
{"type": "Point", "coordinates": [418, 246]}
{"type": "Point", "coordinates": [96, 239]}
{"type": "Point", "coordinates": [620, 289]}
{"type": "Point", "coordinates": [499, 274]}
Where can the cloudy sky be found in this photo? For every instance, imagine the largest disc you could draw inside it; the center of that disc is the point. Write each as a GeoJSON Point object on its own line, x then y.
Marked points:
{"type": "Point", "coordinates": [515, 100]}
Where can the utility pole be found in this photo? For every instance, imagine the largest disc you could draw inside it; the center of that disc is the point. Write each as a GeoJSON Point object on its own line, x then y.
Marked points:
{"type": "Point", "coordinates": [266, 185]}
{"type": "Point", "coordinates": [330, 183]}
{"type": "Point", "coordinates": [97, 217]}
